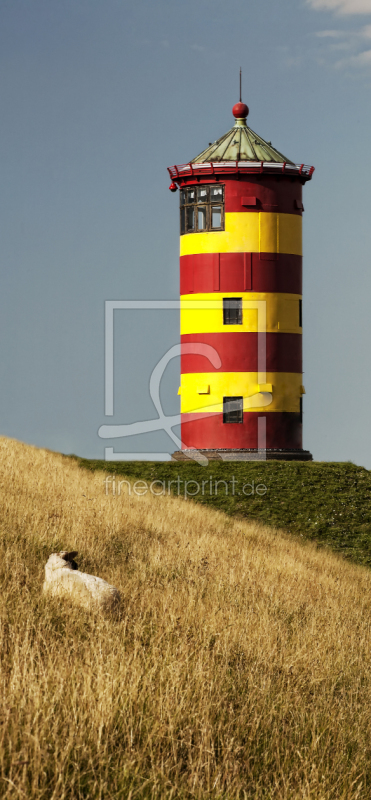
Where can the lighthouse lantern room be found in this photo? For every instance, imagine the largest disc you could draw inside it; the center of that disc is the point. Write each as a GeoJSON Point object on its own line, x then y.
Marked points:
{"type": "Point", "coordinates": [241, 299]}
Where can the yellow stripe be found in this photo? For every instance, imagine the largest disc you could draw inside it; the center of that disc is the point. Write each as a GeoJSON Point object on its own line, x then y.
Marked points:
{"type": "Point", "coordinates": [261, 311]}
{"type": "Point", "coordinates": [286, 391]}
{"type": "Point", "coordinates": [249, 233]}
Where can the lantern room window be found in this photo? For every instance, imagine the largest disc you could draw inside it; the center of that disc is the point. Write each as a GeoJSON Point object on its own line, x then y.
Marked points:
{"type": "Point", "coordinates": [201, 218]}
{"type": "Point", "coordinates": [190, 218]}
{"type": "Point", "coordinates": [216, 217]}
{"type": "Point", "coordinates": [202, 209]}
{"type": "Point", "coordinates": [216, 193]}
{"type": "Point", "coordinates": [233, 410]}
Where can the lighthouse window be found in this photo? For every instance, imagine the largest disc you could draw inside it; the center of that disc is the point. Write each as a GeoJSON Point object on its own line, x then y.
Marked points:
{"type": "Point", "coordinates": [190, 218]}
{"type": "Point", "coordinates": [232, 311]}
{"type": "Point", "coordinates": [216, 194]}
{"type": "Point", "coordinates": [202, 194]}
{"type": "Point", "coordinates": [182, 220]}
{"type": "Point", "coordinates": [202, 209]}
{"type": "Point", "coordinates": [201, 218]}
{"type": "Point", "coordinates": [233, 410]}
{"type": "Point", "coordinates": [216, 216]}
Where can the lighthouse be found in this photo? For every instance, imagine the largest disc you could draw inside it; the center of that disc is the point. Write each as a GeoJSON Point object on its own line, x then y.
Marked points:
{"type": "Point", "coordinates": [241, 388]}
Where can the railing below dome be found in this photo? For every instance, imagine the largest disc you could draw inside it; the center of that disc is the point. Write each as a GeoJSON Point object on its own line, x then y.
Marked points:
{"type": "Point", "coordinates": [230, 167]}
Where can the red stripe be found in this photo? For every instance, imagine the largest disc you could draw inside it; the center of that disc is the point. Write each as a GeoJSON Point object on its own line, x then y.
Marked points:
{"type": "Point", "coordinates": [241, 272]}
{"type": "Point", "coordinates": [283, 195]}
{"type": "Point", "coordinates": [283, 431]}
{"type": "Point", "coordinates": [239, 352]}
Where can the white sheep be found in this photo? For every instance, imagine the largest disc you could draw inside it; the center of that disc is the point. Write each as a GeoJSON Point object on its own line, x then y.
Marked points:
{"type": "Point", "coordinates": [63, 579]}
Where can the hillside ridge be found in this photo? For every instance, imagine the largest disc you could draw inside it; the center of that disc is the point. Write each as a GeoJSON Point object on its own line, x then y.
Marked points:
{"type": "Point", "coordinates": [325, 502]}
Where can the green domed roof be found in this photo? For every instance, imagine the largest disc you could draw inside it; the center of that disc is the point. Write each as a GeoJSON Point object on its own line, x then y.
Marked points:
{"type": "Point", "coordinates": [241, 144]}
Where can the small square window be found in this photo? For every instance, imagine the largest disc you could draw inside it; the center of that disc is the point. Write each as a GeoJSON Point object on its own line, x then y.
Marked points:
{"type": "Point", "coordinates": [233, 410]}
{"type": "Point", "coordinates": [232, 311]}
{"type": "Point", "coordinates": [191, 196]}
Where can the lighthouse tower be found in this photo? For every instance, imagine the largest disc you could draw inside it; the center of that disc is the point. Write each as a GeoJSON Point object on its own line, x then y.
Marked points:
{"type": "Point", "coordinates": [241, 298]}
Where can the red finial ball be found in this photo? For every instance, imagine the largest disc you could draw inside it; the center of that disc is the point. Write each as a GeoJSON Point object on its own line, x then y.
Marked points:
{"type": "Point", "coordinates": [240, 110]}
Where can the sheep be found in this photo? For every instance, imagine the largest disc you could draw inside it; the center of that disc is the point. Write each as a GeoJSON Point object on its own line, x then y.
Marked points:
{"type": "Point", "coordinates": [63, 579]}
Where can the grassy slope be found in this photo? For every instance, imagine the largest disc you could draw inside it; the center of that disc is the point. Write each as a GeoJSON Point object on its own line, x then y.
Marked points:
{"type": "Point", "coordinates": [238, 667]}
{"type": "Point", "coordinates": [328, 503]}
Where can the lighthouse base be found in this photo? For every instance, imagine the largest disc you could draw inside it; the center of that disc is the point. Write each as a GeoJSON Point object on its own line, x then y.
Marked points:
{"type": "Point", "coordinates": [243, 455]}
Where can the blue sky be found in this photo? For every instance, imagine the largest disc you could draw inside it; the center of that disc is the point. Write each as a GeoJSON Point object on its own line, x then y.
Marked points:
{"type": "Point", "coordinates": [97, 99]}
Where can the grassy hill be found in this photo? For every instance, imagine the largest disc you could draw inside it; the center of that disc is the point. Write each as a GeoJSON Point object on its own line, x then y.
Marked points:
{"type": "Point", "coordinates": [328, 503]}
{"type": "Point", "coordinates": [238, 666]}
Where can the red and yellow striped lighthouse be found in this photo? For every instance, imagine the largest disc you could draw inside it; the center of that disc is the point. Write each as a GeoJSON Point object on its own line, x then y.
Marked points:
{"type": "Point", "coordinates": [241, 298]}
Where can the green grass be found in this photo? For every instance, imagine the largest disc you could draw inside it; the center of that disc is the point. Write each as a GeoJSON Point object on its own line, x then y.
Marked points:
{"type": "Point", "coordinates": [328, 503]}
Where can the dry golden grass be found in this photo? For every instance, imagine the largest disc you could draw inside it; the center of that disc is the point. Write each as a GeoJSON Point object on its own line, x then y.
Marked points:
{"type": "Point", "coordinates": [239, 666]}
